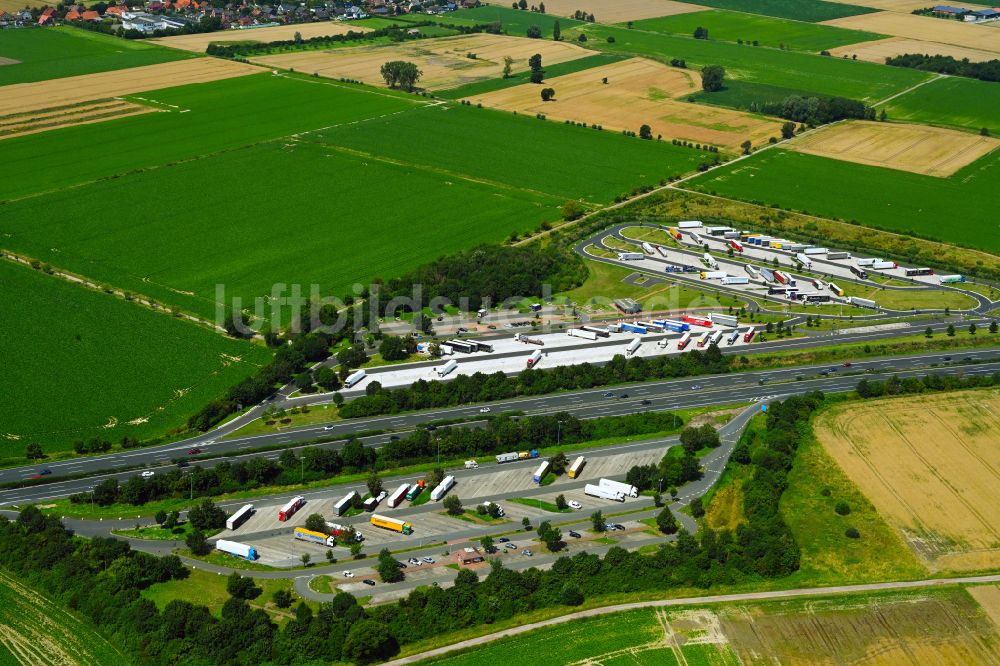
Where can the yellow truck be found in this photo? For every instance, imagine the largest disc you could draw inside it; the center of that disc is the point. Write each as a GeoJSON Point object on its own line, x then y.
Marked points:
{"type": "Point", "coordinates": [391, 524]}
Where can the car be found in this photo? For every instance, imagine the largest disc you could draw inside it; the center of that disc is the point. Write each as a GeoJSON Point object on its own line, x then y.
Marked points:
{"type": "Point", "coordinates": [414, 561]}
{"type": "Point", "coordinates": [440, 319]}
{"type": "Point", "coordinates": [183, 463]}
{"type": "Point", "coordinates": [368, 581]}
{"type": "Point", "coordinates": [327, 428]}
{"type": "Point", "coordinates": [193, 452]}
{"type": "Point", "coordinates": [381, 496]}
{"type": "Point", "coordinates": [575, 535]}
{"type": "Point", "coordinates": [462, 329]}
{"type": "Point", "coordinates": [647, 402]}
{"type": "Point", "coordinates": [696, 387]}
{"type": "Point", "coordinates": [619, 526]}
{"type": "Point", "coordinates": [623, 396]}
{"type": "Point", "coordinates": [393, 438]}
{"type": "Point", "coordinates": [484, 410]}
{"type": "Point", "coordinates": [573, 504]}
{"type": "Point", "coordinates": [147, 474]}
{"type": "Point", "coordinates": [44, 472]}
{"type": "Point", "coordinates": [503, 539]}
{"type": "Point", "coordinates": [428, 559]}
{"type": "Point", "coordinates": [848, 364]}
{"type": "Point", "coordinates": [527, 552]}
{"type": "Point", "coordinates": [401, 565]}
{"type": "Point", "coordinates": [348, 574]}
{"type": "Point", "coordinates": [967, 358]}
{"type": "Point", "coordinates": [511, 545]}
{"type": "Point", "coordinates": [947, 358]}
{"type": "Point", "coordinates": [609, 394]}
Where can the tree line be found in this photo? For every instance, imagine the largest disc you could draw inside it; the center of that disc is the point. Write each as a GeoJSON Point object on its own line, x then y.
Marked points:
{"type": "Point", "coordinates": [928, 383]}
{"type": "Point", "coordinates": [238, 50]}
{"type": "Point", "coordinates": [502, 433]}
{"type": "Point", "coordinates": [480, 387]}
{"type": "Point", "coordinates": [984, 71]}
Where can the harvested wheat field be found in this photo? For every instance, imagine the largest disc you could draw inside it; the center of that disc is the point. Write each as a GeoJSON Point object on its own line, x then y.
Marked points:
{"type": "Point", "coordinates": [923, 28]}
{"type": "Point", "coordinates": [637, 92]}
{"type": "Point", "coordinates": [988, 597]}
{"type": "Point", "coordinates": [880, 49]}
{"type": "Point", "coordinates": [42, 120]}
{"type": "Point", "coordinates": [199, 42]}
{"type": "Point", "coordinates": [621, 10]}
{"type": "Point", "coordinates": [445, 61]}
{"type": "Point", "coordinates": [931, 467]}
{"type": "Point", "coordinates": [24, 97]}
{"type": "Point", "coordinates": [932, 151]}
{"type": "Point", "coordinates": [945, 628]}
{"type": "Point", "coordinates": [904, 6]}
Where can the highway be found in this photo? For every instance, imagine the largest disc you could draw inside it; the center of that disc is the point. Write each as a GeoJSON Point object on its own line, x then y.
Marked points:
{"type": "Point", "coordinates": [735, 388]}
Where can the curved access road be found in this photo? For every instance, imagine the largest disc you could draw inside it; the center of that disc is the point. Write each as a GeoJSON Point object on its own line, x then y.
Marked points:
{"type": "Point", "coordinates": [693, 601]}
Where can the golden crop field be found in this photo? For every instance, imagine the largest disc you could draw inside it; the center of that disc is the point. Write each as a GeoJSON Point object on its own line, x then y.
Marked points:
{"type": "Point", "coordinates": [932, 151]}
{"type": "Point", "coordinates": [880, 49]}
{"type": "Point", "coordinates": [621, 11]}
{"type": "Point", "coordinates": [445, 62]}
{"type": "Point", "coordinates": [924, 28]}
{"type": "Point", "coordinates": [637, 92]}
{"type": "Point", "coordinates": [904, 6]}
{"type": "Point", "coordinates": [931, 467]}
{"type": "Point", "coordinates": [26, 97]}
{"type": "Point", "coordinates": [43, 120]}
{"type": "Point", "coordinates": [200, 41]}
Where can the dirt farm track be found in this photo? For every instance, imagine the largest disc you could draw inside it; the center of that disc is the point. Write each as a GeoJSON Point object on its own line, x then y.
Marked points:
{"type": "Point", "coordinates": [931, 466]}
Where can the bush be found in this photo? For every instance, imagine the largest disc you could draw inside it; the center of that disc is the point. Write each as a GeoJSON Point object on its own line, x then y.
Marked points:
{"type": "Point", "coordinates": [852, 533]}
{"type": "Point", "coordinates": [842, 508]}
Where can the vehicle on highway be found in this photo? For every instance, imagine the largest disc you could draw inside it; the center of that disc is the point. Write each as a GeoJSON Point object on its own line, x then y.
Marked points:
{"type": "Point", "coordinates": [484, 410]}
{"type": "Point", "coordinates": [696, 387]}
{"type": "Point", "coordinates": [609, 394]}
{"type": "Point", "coordinates": [327, 428]}
{"type": "Point", "coordinates": [623, 396]}
{"type": "Point", "coordinates": [428, 559]}
{"type": "Point", "coordinates": [503, 539]}
{"type": "Point", "coordinates": [193, 452]}
{"type": "Point", "coordinates": [183, 463]}
{"type": "Point", "coordinates": [647, 402]}
{"type": "Point", "coordinates": [147, 474]}
{"type": "Point", "coordinates": [43, 472]}
{"type": "Point", "coordinates": [575, 535]}
{"type": "Point", "coordinates": [393, 438]}
{"type": "Point", "coordinates": [348, 574]}
{"type": "Point", "coordinates": [527, 552]}
{"type": "Point", "coordinates": [368, 581]}
{"type": "Point", "coordinates": [573, 504]}
{"type": "Point", "coordinates": [947, 358]}
{"type": "Point", "coordinates": [848, 364]}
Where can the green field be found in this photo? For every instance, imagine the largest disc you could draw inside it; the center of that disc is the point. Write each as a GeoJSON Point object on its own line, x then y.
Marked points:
{"type": "Point", "coordinates": [794, 70]}
{"type": "Point", "coordinates": [953, 101]}
{"type": "Point", "coordinates": [580, 639]}
{"type": "Point", "coordinates": [568, 67]}
{"type": "Point", "coordinates": [222, 115]}
{"type": "Point", "coordinates": [512, 21]}
{"type": "Point", "coordinates": [55, 53]}
{"type": "Point", "coordinates": [729, 26]}
{"type": "Point", "coordinates": [76, 360]}
{"type": "Point", "coordinates": [36, 630]}
{"type": "Point", "coordinates": [798, 10]}
{"type": "Point", "coordinates": [958, 209]}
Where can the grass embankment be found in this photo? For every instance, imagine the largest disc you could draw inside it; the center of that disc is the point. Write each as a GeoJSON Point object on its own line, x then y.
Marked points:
{"type": "Point", "coordinates": [471, 516]}
{"type": "Point", "coordinates": [539, 504]}
{"type": "Point", "coordinates": [159, 533]}
{"type": "Point", "coordinates": [297, 418]}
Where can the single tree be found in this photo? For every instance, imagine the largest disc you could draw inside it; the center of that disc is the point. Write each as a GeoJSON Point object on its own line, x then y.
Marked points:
{"type": "Point", "coordinates": [282, 598]}
{"type": "Point", "coordinates": [666, 522]}
{"type": "Point", "coordinates": [984, 131]}
{"type": "Point", "coordinates": [526, 523]}
{"type": "Point", "coordinates": [548, 93]}
{"type": "Point", "coordinates": [972, 329]}
{"type": "Point", "coordinates": [556, 33]}
{"type": "Point", "coordinates": [558, 463]}
{"type": "Point", "coordinates": [882, 116]}
{"type": "Point", "coordinates": [374, 484]}
{"type": "Point", "coordinates": [534, 32]}
{"type": "Point", "coordinates": [487, 542]}
{"type": "Point", "coordinates": [241, 587]}
{"type": "Point", "coordinates": [316, 523]}
{"type": "Point", "coordinates": [400, 73]}
{"type": "Point", "coordinates": [746, 146]}
{"type": "Point", "coordinates": [356, 549]}
{"type": "Point", "coordinates": [929, 332]}
{"type": "Point", "coordinates": [951, 330]}
{"type": "Point", "coordinates": [571, 595]}
{"type": "Point", "coordinates": [788, 130]}
{"type": "Point", "coordinates": [160, 517]}
{"type": "Point", "coordinates": [453, 505]}
{"type": "Point", "coordinates": [34, 451]}
{"type": "Point", "coordinates": [306, 558]}
{"type": "Point", "coordinates": [597, 521]}
{"type": "Point", "coordinates": [701, 33]}
{"type": "Point", "coordinates": [645, 132]}
{"type": "Point", "coordinates": [842, 508]}
{"type": "Point", "coordinates": [388, 568]}
{"type": "Point", "coordinates": [993, 327]}
{"type": "Point", "coordinates": [713, 78]}
{"type": "Point", "coordinates": [561, 502]}
{"type": "Point", "coordinates": [508, 66]}
{"type": "Point", "coordinates": [197, 543]}
{"type": "Point", "coordinates": [172, 521]}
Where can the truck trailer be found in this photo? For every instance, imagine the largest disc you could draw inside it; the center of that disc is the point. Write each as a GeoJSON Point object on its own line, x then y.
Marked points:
{"type": "Point", "coordinates": [867, 261]}
{"type": "Point", "coordinates": [648, 248]}
{"type": "Point", "coordinates": [535, 358]}
{"type": "Point", "coordinates": [705, 337]}
{"type": "Point", "coordinates": [748, 335]}
{"type": "Point", "coordinates": [345, 503]}
{"type": "Point", "coordinates": [581, 333]}
{"type": "Point", "coordinates": [344, 533]}
{"type": "Point", "coordinates": [415, 490]}
{"type": "Point", "coordinates": [630, 256]}
{"type": "Point", "coordinates": [443, 370]}
{"type": "Point", "coordinates": [598, 331]}
{"type": "Point", "coordinates": [735, 279]}
{"type": "Point", "coordinates": [715, 339]}
{"type": "Point", "coordinates": [752, 270]}
{"type": "Point", "coordinates": [688, 224]}
{"type": "Point", "coordinates": [633, 328]}
{"type": "Point", "coordinates": [633, 347]}
{"type": "Point", "coordinates": [302, 534]}
{"type": "Point", "coordinates": [240, 517]}
{"type": "Point", "coordinates": [719, 319]}
{"type": "Point", "coordinates": [354, 378]}
{"type": "Point", "coordinates": [767, 274]}
{"type": "Point", "coordinates": [603, 493]}
{"type": "Point", "coordinates": [237, 549]}
{"type": "Point", "coordinates": [387, 523]}
{"type": "Point", "coordinates": [838, 255]}
{"type": "Point", "coordinates": [446, 484]}
{"type": "Point", "coordinates": [860, 273]}
{"type": "Point", "coordinates": [732, 337]}
{"type": "Point", "coordinates": [884, 265]}
{"type": "Point", "coordinates": [712, 275]}
{"type": "Point", "coordinates": [624, 488]}
{"type": "Point", "coordinates": [710, 261]}
{"type": "Point", "coordinates": [804, 260]}
{"type": "Point", "coordinates": [861, 302]}
{"type": "Point", "coordinates": [911, 272]}
{"type": "Point", "coordinates": [697, 321]}
{"type": "Point", "coordinates": [816, 250]}
{"type": "Point", "coordinates": [293, 505]}
{"type": "Point", "coordinates": [396, 498]}
{"type": "Point", "coordinates": [835, 289]}
{"type": "Point", "coordinates": [683, 342]}
{"type": "Point", "coordinates": [577, 467]}
{"type": "Point", "coordinates": [951, 279]}
{"type": "Point", "coordinates": [542, 470]}
{"type": "Point", "coordinates": [508, 457]}
{"type": "Point", "coordinates": [736, 245]}
{"type": "Point", "coordinates": [672, 325]}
